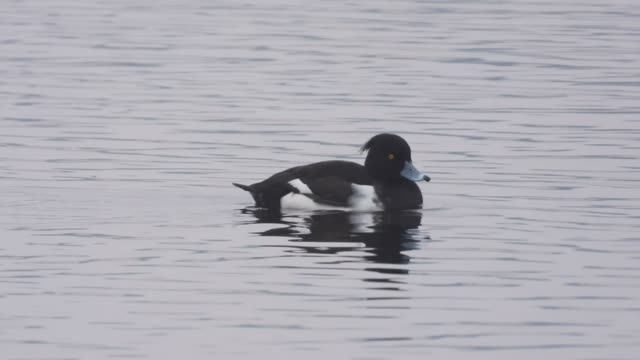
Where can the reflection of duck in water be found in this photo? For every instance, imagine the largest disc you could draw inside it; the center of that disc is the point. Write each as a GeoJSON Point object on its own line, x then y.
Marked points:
{"type": "Point", "coordinates": [387, 181]}
{"type": "Point", "coordinates": [385, 235]}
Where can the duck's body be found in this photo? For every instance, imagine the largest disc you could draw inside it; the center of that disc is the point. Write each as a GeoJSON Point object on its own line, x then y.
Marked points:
{"type": "Point", "coordinates": [385, 182]}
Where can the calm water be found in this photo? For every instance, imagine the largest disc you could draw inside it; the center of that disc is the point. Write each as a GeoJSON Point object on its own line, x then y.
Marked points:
{"type": "Point", "coordinates": [123, 124]}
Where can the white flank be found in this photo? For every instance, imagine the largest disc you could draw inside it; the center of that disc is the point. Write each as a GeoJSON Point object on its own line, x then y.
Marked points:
{"type": "Point", "coordinates": [302, 187]}
{"type": "Point", "coordinates": [300, 201]}
{"type": "Point", "coordinates": [364, 199]}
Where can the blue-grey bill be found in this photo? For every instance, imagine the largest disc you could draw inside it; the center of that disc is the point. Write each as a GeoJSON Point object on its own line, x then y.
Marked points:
{"type": "Point", "coordinates": [410, 172]}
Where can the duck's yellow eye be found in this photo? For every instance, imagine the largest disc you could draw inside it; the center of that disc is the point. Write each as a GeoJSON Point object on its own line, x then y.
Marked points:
{"type": "Point", "coordinates": [391, 156]}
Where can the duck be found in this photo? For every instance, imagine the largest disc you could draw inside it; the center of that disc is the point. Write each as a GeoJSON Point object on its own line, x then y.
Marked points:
{"type": "Point", "coordinates": [386, 182]}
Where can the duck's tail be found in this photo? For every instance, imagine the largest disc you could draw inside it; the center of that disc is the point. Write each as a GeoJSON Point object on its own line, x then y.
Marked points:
{"type": "Point", "coordinates": [267, 195]}
{"type": "Point", "coordinates": [256, 195]}
{"type": "Point", "coordinates": [243, 187]}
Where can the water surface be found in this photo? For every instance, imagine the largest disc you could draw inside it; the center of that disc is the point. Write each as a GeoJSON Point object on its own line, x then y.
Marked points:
{"type": "Point", "coordinates": [122, 126]}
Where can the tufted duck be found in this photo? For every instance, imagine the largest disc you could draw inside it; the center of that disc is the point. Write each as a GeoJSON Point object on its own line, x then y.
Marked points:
{"type": "Point", "coordinates": [385, 182]}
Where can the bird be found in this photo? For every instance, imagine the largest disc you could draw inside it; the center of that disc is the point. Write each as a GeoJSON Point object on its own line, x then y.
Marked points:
{"type": "Point", "coordinates": [386, 182]}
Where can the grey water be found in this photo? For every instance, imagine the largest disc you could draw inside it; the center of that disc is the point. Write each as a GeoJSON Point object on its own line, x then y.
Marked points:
{"type": "Point", "coordinates": [123, 124]}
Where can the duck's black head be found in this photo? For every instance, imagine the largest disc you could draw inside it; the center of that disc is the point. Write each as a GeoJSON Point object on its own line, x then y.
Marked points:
{"type": "Point", "coordinates": [389, 159]}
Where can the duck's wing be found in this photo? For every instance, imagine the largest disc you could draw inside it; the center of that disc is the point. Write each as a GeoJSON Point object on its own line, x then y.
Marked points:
{"type": "Point", "coordinates": [327, 182]}
{"type": "Point", "coordinates": [328, 190]}
{"type": "Point", "coordinates": [330, 182]}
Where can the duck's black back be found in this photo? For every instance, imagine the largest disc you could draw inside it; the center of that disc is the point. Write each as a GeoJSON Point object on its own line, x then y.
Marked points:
{"type": "Point", "coordinates": [329, 181]}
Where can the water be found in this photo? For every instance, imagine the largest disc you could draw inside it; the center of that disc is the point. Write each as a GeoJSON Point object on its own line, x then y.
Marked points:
{"type": "Point", "coordinates": [123, 124]}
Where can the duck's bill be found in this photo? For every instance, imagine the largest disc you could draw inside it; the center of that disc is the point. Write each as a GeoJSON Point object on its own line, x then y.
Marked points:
{"type": "Point", "coordinates": [410, 172]}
